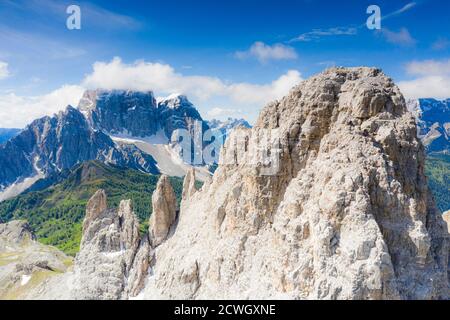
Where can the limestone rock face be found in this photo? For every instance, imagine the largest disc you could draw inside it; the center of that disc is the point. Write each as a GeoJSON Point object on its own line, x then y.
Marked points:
{"type": "Point", "coordinates": [108, 251]}
{"type": "Point", "coordinates": [164, 211]}
{"type": "Point", "coordinates": [346, 214]}
{"type": "Point", "coordinates": [96, 205]}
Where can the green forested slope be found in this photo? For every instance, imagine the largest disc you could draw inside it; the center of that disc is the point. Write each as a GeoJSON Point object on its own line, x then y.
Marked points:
{"type": "Point", "coordinates": [56, 212]}
{"type": "Point", "coordinates": [438, 173]}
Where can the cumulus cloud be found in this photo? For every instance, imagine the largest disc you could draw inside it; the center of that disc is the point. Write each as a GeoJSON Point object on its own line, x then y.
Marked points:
{"type": "Point", "coordinates": [4, 72]}
{"type": "Point", "coordinates": [429, 67]}
{"type": "Point", "coordinates": [437, 87]}
{"type": "Point", "coordinates": [433, 79]}
{"type": "Point", "coordinates": [402, 37]}
{"type": "Point", "coordinates": [17, 111]}
{"type": "Point", "coordinates": [162, 79]}
{"type": "Point", "coordinates": [264, 52]}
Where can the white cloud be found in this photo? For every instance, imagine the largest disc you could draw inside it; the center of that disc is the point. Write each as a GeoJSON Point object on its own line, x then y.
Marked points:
{"type": "Point", "coordinates": [429, 67]}
{"type": "Point", "coordinates": [402, 37]}
{"type": "Point", "coordinates": [264, 52]}
{"type": "Point", "coordinates": [437, 87]}
{"type": "Point", "coordinates": [405, 8]}
{"type": "Point", "coordinates": [162, 79]}
{"type": "Point", "coordinates": [316, 34]}
{"type": "Point", "coordinates": [262, 94]}
{"type": "Point", "coordinates": [4, 72]}
{"type": "Point", "coordinates": [433, 79]}
{"type": "Point", "coordinates": [17, 111]}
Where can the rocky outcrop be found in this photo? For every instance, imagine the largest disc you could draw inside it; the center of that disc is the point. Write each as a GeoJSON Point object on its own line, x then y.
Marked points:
{"type": "Point", "coordinates": [95, 206]}
{"type": "Point", "coordinates": [177, 112]}
{"type": "Point", "coordinates": [346, 214]}
{"type": "Point", "coordinates": [108, 252]}
{"type": "Point", "coordinates": [189, 187]}
{"type": "Point", "coordinates": [115, 112]}
{"type": "Point", "coordinates": [17, 232]}
{"type": "Point", "coordinates": [164, 211]}
{"type": "Point", "coordinates": [26, 264]}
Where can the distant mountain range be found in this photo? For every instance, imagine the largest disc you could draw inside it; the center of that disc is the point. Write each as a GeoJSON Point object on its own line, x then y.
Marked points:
{"type": "Point", "coordinates": [433, 122]}
{"type": "Point", "coordinates": [123, 128]}
{"type": "Point", "coordinates": [228, 125]}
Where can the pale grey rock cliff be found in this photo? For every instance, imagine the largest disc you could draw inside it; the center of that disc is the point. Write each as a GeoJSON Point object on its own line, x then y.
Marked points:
{"type": "Point", "coordinates": [108, 250]}
{"type": "Point", "coordinates": [164, 213]}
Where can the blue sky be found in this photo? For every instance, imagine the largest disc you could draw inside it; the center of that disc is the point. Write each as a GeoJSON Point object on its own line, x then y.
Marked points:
{"type": "Point", "coordinates": [229, 57]}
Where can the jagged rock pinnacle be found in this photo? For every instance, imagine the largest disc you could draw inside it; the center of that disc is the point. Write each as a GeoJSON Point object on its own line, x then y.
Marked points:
{"type": "Point", "coordinates": [96, 205]}
{"type": "Point", "coordinates": [164, 211]}
{"type": "Point", "coordinates": [189, 184]}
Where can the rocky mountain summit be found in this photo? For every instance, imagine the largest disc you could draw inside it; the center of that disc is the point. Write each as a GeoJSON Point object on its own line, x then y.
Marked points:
{"type": "Point", "coordinates": [52, 144]}
{"type": "Point", "coordinates": [138, 114]}
{"type": "Point", "coordinates": [433, 122]}
{"type": "Point", "coordinates": [346, 214]}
